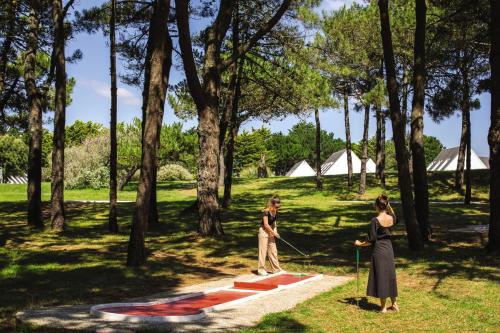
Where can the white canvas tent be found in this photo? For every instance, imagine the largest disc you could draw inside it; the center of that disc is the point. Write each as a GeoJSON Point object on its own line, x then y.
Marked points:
{"type": "Point", "coordinates": [336, 164]}
{"type": "Point", "coordinates": [301, 169]}
{"type": "Point", "coordinates": [447, 160]}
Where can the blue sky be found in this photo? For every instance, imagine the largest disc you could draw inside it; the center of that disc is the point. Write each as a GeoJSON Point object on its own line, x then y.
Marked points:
{"type": "Point", "coordinates": [91, 99]}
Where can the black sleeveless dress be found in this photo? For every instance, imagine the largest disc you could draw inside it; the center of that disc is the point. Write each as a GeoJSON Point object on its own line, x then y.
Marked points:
{"type": "Point", "coordinates": [382, 278]}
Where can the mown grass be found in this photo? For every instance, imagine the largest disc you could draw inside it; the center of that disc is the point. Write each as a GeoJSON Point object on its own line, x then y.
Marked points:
{"type": "Point", "coordinates": [451, 286]}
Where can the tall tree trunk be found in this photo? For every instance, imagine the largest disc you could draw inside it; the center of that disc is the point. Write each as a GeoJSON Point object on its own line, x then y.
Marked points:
{"type": "Point", "coordinates": [234, 126]}
{"type": "Point", "coordinates": [412, 230]}
{"type": "Point", "coordinates": [380, 137]}
{"type": "Point", "coordinates": [468, 191]}
{"type": "Point", "coordinates": [459, 172]}
{"type": "Point", "coordinates": [465, 105]}
{"type": "Point", "coordinates": [233, 77]}
{"type": "Point", "coordinates": [380, 145]}
{"type": "Point", "coordinates": [494, 131]}
{"type": "Point", "coordinates": [34, 125]}
{"type": "Point", "coordinates": [404, 99]}
{"type": "Point", "coordinates": [113, 184]}
{"type": "Point", "coordinates": [319, 181]}
{"type": "Point", "coordinates": [348, 140]}
{"type": "Point", "coordinates": [57, 185]}
{"type": "Point", "coordinates": [159, 63]}
{"type": "Point", "coordinates": [364, 154]}
{"type": "Point", "coordinates": [206, 98]}
{"type": "Point", "coordinates": [6, 48]}
{"type": "Point", "coordinates": [420, 186]}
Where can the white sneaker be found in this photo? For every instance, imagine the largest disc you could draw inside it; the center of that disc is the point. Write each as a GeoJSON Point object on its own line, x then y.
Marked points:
{"type": "Point", "coordinates": [282, 271]}
{"type": "Point", "coordinates": [262, 273]}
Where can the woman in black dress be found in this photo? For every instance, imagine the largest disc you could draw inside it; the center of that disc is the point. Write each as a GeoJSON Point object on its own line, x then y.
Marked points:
{"type": "Point", "coordinates": [382, 278]}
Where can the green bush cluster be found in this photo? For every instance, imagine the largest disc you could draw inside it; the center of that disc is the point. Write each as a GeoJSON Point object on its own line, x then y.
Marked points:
{"type": "Point", "coordinates": [173, 172]}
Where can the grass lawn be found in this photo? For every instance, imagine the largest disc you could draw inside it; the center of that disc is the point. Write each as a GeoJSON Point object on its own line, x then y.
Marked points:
{"type": "Point", "coordinates": [451, 286]}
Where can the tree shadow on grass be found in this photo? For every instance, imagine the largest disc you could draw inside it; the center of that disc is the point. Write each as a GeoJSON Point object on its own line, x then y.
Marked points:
{"type": "Point", "coordinates": [282, 322]}
{"type": "Point", "coordinates": [363, 302]}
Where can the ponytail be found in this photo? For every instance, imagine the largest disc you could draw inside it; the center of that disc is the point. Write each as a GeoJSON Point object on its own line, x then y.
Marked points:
{"type": "Point", "coordinates": [382, 204]}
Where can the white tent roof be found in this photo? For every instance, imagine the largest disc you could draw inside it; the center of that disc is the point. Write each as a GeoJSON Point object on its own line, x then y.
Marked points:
{"type": "Point", "coordinates": [447, 160]}
{"type": "Point", "coordinates": [301, 169]}
{"type": "Point", "coordinates": [336, 164]}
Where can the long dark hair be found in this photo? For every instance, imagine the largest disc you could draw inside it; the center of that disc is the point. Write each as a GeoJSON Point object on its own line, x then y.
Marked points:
{"type": "Point", "coordinates": [382, 204]}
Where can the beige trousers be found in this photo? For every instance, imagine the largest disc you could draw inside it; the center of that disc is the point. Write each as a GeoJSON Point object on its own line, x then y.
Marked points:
{"type": "Point", "coordinates": [267, 248]}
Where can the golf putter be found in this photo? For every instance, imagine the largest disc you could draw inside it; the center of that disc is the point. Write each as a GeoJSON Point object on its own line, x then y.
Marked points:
{"type": "Point", "coordinates": [293, 247]}
{"type": "Point", "coordinates": [357, 276]}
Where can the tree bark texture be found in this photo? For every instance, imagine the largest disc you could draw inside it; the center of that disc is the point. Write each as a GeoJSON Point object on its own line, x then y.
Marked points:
{"type": "Point", "coordinates": [57, 185]}
{"type": "Point", "coordinates": [35, 129]}
{"type": "Point", "coordinates": [319, 181]}
{"type": "Point", "coordinates": [420, 184]}
{"type": "Point", "coordinates": [348, 140]}
{"type": "Point", "coordinates": [412, 229]}
{"type": "Point", "coordinates": [364, 153]}
{"type": "Point", "coordinates": [494, 131]}
{"type": "Point", "coordinates": [160, 45]}
{"type": "Point", "coordinates": [113, 183]}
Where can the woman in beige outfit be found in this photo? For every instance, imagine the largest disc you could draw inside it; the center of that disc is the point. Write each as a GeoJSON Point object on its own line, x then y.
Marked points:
{"type": "Point", "coordinates": [268, 233]}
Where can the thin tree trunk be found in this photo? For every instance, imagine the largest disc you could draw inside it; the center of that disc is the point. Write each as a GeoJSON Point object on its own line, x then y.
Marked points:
{"type": "Point", "coordinates": [348, 140]}
{"type": "Point", "coordinates": [228, 177]}
{"type": "Point", "coordinates": [57, 185]}
{"type": "Point", "coordinates": [404, 99]}
{"type": "Point", "coordinates": [234, 126]}
{"type": "Point", "coordinates": [319, 181]}
{"type": "Point", "coordinates": [226, 117]}
{"type": "Point", "coordinates": [412, 230]}
{"type": "Point", "coordinates": [380, 146]}
{"type": "Point", "coordinates": [420, 185]}
{"type": "Point", "coordinates": [364, 154]}
{"type": "Point", "coordinates": [380, 158]}
{"type": "Point", "coordinates": [6, 49]}
{"type": "Point", "coordinates": [494, 131]}
{"type": "Point", "coordinates": [382, 162]}
{"type": "Point", "coordinates": [159, 63]}
{"type": "Point", "coordinates": [459, 172]}
{"type": "Point", "coordinates": [468, 175]}
{"type": "Point", "coordinates": [378, 135]}
{"type": "Point", "coordinates": [112, 223]}
{"type": "Point", "coordinates": [126, 178]}
{"type": "Point", "coordinates": [34, 125]}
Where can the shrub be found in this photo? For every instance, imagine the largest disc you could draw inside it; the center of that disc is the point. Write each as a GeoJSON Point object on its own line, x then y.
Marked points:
{"type": "Point", "coordinates": [86, 165]}
{"type": "Point", "coordinates": [173, 172]}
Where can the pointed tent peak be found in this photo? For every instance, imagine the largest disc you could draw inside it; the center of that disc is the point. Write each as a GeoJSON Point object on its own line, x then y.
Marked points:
{"type": "Point", "coordinates": [335, 156]}
{"type": "Point", "coordinates": [301, 169]}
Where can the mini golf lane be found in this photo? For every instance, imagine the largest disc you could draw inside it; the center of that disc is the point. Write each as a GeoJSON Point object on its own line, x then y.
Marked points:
{"type": "Point", "coordinates": [195, 306]}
